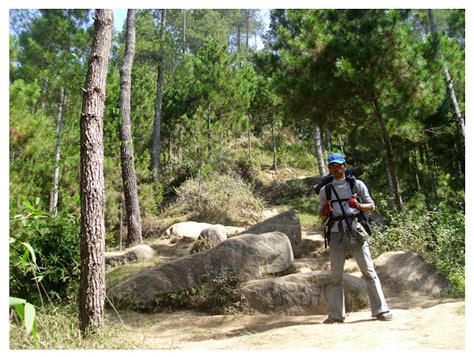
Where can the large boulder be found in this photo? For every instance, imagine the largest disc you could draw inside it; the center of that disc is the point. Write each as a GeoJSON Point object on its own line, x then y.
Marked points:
{"type": "Point", "coordinates": [190, 229]}
{"type": "Point", "coordinates": [286, 222]}
{"type": "Point", "coordinates": [247, 256]}
{"type": "Point", "coordinates": [133, 254]}
{"type": "Point", "coordinates": [301, 294]}
{"type": "Point", "coordinates": [407, 273]}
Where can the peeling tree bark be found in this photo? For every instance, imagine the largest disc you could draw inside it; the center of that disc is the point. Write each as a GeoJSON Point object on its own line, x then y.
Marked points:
{"type": "Point", "coordinates": [129, 177]}
{"type": "Point", "coordinates": [92, 284]}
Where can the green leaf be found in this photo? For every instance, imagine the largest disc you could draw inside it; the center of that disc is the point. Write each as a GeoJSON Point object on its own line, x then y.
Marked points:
{"type": "Point", "coordinates": [30, 314]}
{"type": "Point", "coordinates": [29, 206]}
{"type": "Point", "coordinates": [24, 259]}
{"type": "Point", "coordinates": [14, 301]}
{"type": "Point", "coordinates": [31, 250]}
{"type": "Point", "coordinates": [35, 332]}
{"type": "Point", "coordinates": [20, 310]}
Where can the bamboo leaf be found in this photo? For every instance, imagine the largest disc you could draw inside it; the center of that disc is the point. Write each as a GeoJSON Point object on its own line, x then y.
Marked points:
{"type": "Point", "coordinates": [14, 301]}
{"type": "Point", "coordinates": [30, 315]}
{"type": "Point", "coordinates": [31, 250]}
{"type": "Point", "coordinates": [24, 259]}
{"type": "Point", "coordinates": [35, 332]}
{"type": "Point", "coordinates": [20, 311]}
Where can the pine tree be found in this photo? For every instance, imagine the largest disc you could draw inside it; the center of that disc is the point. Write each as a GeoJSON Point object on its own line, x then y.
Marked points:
{"type": "Point", "coordinates": [132, 208]}
{"type": "Point", "coordinates": [155, 165]}
{"type": "Point", "coordinates": [92, 285]}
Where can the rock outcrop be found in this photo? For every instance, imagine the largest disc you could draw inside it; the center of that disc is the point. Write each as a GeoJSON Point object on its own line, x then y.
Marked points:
{"type": "Point", "coordinates": [286, 222]}
{"type": "Point", "coordinates": [247, 256]}
{"type": "Point", "coordinates": [301, 294]}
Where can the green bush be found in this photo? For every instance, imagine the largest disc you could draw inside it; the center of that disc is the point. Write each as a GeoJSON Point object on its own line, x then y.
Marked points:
{"type": "Point", "coordinates": [218, 295]}
{"type": "Point", "coordinates": [224, 199]}
{"type": "Point", "coordinates": [437, 235]}
{"type": "Point", "coordinates": [56, 245]}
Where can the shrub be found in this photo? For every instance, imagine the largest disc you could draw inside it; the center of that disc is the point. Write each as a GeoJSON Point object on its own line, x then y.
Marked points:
{"type": "Point", "coordinates": [218, 295]}
{"type": "Point", "coordinates": [55, 242]}
{"type": "Point", "coordinates": [437, 235]}
{"type": "Point", "coordinates": [224, 199]}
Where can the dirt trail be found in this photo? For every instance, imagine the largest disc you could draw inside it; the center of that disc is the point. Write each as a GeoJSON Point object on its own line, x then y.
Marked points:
{"type": "Point", "coordinates": [428, 324]}
{"type": "Point", "coordinates": [419, 323]}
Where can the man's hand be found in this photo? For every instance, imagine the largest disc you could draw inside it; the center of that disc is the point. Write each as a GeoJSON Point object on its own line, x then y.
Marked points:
{"type": "Point", "coordinates": [354, 203]}
{"type": "Point", "coordinates": [327, 209]}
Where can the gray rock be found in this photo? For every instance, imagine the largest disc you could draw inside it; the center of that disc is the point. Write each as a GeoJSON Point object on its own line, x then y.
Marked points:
{"type": "Point", "coordinates": [209, 238]}
{"type": "Point", "coordinates": [286, 222]}
{"type": "Point", "coordinates": [248, 256]}
{"type": "Point", "coordinates": [136, 253]}
{"type": "Point", "coordinates": [190, 229]}
{"type": "Point", "coordinates": [301, 294]}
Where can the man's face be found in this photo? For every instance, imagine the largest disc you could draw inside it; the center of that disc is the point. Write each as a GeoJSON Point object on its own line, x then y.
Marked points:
{"type": "Point", "coordinates": [337, 170]}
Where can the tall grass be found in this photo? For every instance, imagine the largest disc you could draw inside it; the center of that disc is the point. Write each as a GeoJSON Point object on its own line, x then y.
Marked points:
{"type": "Point", "coordinates": [58, 328]}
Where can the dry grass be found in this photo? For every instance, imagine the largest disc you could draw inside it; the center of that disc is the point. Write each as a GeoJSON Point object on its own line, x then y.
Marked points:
{"type": "Point", "coordinates": [58, 328]}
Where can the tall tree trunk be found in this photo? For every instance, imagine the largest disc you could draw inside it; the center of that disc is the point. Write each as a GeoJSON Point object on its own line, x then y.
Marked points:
{"type": "Point", "coordinates": [426, 188]}
{"type": "Point", "coordinates": [433, 169]}
{"type": "Point", "coordinates": [390, 154]}
{"type": "Point", "coordinates": [53, 197]}
{"type": "Point", "coordinates": [184, 30]}
{"type": "Point", "coordinates": [274, 147]}
{"type": "Point", "coordinates": [92, 284]}
{"type": "Point", "coordinates": [247, 15]}
{"type": "Point", "coordinates": [238, 39]}
{"type": "Point", "coordinates": [452, 93]}
{"type": "Point", "coordinates": [40, 104]}
{"type": "Point", "coordinates": [327, 141]}
{"type": "Point", "coordinates": [318, 146]}
{"type": "Point", "coordinates": [129, 177]}
{"type": "Point", "coordinates": [249, 137]}
{"type": "Point", "coordinates": [341, 144]}
{"type": "Point", "coordinates": [389, 176]}
{"type": "Point", "coordinates": [155, 166]}
{"type": "Point", "coordinates": [416, 169]}
{"type": "Point", "coordinates": [121, 223]}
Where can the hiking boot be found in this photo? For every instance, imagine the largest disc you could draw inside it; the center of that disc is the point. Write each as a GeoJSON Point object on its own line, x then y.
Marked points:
{"type": "Point", "coordinates": [330, 320]}
{"type": "Point", "coordinates": [384, 316]}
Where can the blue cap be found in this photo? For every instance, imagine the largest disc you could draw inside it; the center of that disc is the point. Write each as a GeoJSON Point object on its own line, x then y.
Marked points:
{"type": "Point", "coordinates": [336, 158]}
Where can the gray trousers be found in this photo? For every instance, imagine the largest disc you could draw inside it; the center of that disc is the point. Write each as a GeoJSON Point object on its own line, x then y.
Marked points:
{"type": "Point", "coordinates": [340, 243]}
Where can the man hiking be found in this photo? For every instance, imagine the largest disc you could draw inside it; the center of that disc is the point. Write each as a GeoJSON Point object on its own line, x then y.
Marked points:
{"type": "Point", "coordinates": [343, 203]}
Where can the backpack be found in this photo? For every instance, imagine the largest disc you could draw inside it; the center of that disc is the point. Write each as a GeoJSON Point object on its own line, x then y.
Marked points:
{"type": "Point", "coordinates": [331, 219]}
